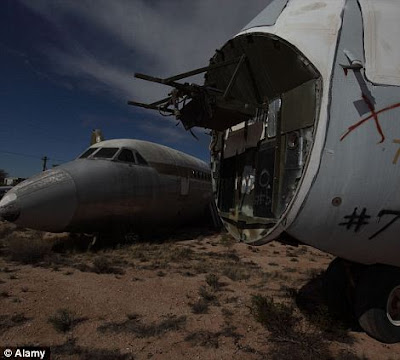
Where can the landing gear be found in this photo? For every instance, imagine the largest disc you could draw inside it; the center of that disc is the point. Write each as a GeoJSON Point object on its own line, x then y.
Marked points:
{"type": "Point", "coordinates": [372, 293]}
{"type": "Point", "coordinates": [377, 303]}
{"type": "Point", "coordinates": [106, 240]}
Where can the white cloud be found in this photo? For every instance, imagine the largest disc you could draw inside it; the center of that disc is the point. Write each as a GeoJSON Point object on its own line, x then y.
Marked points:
{"type": "Point", "coordinates": [170, 134]}
{"type": "Point", "coordinates": [158, 37]}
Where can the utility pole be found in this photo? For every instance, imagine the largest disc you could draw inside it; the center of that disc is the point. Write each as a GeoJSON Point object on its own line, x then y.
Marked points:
{"type": "Point", "coordinates": [44, 159]}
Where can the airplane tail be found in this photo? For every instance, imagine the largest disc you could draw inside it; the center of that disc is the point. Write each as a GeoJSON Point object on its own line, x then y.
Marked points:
{"type": "Point", "coordinates": [97, 136]}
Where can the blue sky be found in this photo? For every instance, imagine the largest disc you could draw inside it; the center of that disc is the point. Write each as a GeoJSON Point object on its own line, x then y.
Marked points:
{"type": "Point", "coordinates": [67, 67]}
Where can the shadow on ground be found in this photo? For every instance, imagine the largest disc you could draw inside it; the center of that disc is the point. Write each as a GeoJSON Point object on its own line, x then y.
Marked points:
{"type": "Point", "coordinates": [336, 321]}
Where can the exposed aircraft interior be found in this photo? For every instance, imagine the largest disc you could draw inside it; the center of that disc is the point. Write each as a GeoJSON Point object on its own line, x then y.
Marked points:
{"type": "Point", "coordinates": [246, 102]}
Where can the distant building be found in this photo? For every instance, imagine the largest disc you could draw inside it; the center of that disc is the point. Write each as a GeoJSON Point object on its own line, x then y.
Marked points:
{"type": "Point", "coordinates": [12, 181]}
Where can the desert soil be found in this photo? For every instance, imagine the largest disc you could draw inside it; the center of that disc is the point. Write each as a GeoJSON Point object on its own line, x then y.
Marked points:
{"type": "Point", "coordinates": [195, 295]}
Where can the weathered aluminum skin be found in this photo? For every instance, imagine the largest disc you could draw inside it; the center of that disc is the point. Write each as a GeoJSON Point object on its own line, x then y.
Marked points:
{"type": "Point", "coordinates": [346, 203]}
{"type": "Point", "coordinates": [359, 167]}
{"type": "Point", "coordinates": [47, 200]}
{"type": "Point", "coordinates": [92, 195]}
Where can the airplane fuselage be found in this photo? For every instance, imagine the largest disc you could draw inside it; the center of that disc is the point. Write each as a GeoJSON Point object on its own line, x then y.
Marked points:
{"type": "Point", "coordinates": [129, 183]}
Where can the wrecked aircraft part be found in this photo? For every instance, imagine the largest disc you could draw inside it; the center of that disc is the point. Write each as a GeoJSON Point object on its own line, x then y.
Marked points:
{"type": "Point", "coordinates": [295, 120]}
{"type": "Point", "coordinates": [269, 104]}
{"type": "Point", "coordinates": [256, 172]}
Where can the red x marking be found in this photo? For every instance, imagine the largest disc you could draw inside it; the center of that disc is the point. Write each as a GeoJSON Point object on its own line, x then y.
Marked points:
{"type": "Point", "coordinates": [374, 115]}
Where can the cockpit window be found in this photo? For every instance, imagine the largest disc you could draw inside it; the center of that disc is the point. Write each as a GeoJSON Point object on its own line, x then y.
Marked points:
{"type": "Point", "coordinates": [127, 156]}
{"type": "Point", "coordinates": [140, 159]}
{"type": "Point", "coordinates": [87, 153]}
{"type": "Point", "coordinates": [106, 153]}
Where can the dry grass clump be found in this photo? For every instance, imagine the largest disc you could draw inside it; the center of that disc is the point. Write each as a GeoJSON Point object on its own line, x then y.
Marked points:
{"type": "Point", "coordinates": [5, 294]}
{"type": "Point", "coordinates": [180, 253]}
{"type": "Point", "coordinates": [160, 254]}
{"type": "Point", "coordinates": [333, 329]}
{"type": "Point", "coordinates": [27, 250]}
{"type": "Point", "coordinates": [235, 273]}
{"type": "Point", "coordinates": [211, 339]}
{"type": "Point", "coordinates": [289, 339]}
{"type": "Point", "coordinates": [103, 265]}
{"type": "Point", "coordinates": [207, 298]}
{"type": "Point", "coordinates": [203, 338]}
{"type": "Point", "coordinates": [70, 348]}
{"type": "Point", "coordinates": [135, 326]}
{"type": "Point", "coordinates": [212, 280]}
{"type": "Point", "coordinates": [207, 295]}
{"type": "Point", "coordinates": [64, 320]}
{"type": "Point", "coordinates": [7, 321]}
{"type": "Point", "coordinates": [6, 229]}
{"type": "Point", "coordinates": [201, 306]}
{"type": "Point", "coordinates": [291, 335]}
{"type": "Point", "coordinates": [279, 319]}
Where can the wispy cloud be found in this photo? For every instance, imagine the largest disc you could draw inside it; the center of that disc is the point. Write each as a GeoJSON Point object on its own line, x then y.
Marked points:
{"type": "Point", "coordinates": [171, 134]}
{"type": "Point", "coordinates": [121, 37]}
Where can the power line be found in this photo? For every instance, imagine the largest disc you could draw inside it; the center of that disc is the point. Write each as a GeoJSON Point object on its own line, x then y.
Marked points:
{"type": "Point", "coordinates": [31, 156]}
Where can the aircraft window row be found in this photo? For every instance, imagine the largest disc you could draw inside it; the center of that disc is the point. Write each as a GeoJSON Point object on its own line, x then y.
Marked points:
{"type": "Point", "coordinates": [106, 153]}
{"type": "Point", "coordinates": [127, 156]}
{"type": "Point", "coordinates": [123, 155]}
{"type": "Point", "coordinates": [200, 175]}
{"type": "Point", "coordinates": [87, 153]}
{"type": "Point", "coordinates": [140, 159]}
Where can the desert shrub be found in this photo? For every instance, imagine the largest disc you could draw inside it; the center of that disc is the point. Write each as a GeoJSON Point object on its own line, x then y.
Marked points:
{"type": "Point", "coordinates": [135, 326]}
{"type": "Point", "coordinates": [27, 250]}
{"type": "Point", "coordinates": [200, 307]}
{"type": "Point", "coordinates": [235, 273]}
{"type": "Point", "coordinates": [226, 312]}
{"type": "Point", "coordinates": [206, 295]}
{"type": "Point", "coordinates": [203, 338]}
{"type": "Point", "coordinates": [290, 292]}
{"type": "Point", "coordinates": [71, 348]}
{"type": "Point", "coordinates": [64, 320]}
{"type": "Point", "coordinates": [211, 339]}
{"type": "Point", "coordinates": [7, 322]}
{"type": "Point", "coordinates": [6, 229]}
{"type": "Point", "coordinates": [102, 265]}
{"type": "Point", "coordinates": [278, 318]}
{"type": "Point", "coordinates": [291, 337]}
{"type": "Point", "coordinates": [302, 345]}
{"type": "Point", "coordinates": [213, 281]}
{"type": "Point", "coordinates": [5, 294]}
{"type": "Point", "coordinates": [334, 329]}
{"type": "Point", "coordinates": [180, 254]}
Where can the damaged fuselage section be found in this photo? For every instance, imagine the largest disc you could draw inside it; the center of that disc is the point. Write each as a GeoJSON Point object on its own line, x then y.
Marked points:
{"type": "Point", "coordinates": [262, 127]}
{"type": "Point", "coordinates": [258, 163]}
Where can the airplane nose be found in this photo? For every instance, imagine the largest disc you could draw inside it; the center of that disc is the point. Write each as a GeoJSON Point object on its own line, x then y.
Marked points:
{"type": "Point", "coordinates": [9, 209]}
{"type": "Point", "coordinates": [44, 202]}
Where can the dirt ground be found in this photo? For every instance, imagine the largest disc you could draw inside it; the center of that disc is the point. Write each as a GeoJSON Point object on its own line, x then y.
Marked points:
{"type": "Point", "coordinates": [196, 295]}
